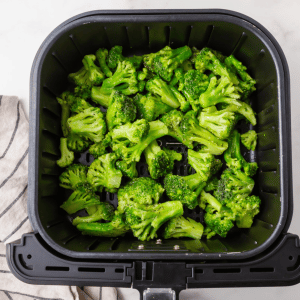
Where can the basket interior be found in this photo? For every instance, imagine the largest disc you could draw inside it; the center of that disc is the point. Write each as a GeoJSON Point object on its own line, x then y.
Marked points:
{"type": "Point", "coordinates": [139, 37]}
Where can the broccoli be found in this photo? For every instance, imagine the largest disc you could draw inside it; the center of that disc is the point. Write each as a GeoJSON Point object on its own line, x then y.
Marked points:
{"type": "Point", "coordinates": [160, 88]}
{"type": "Point", "coordinates": [134, 132]}
{"type": "Point", "coordinates": [117, 227]}
{"type": "Point", "coordinates": [103, 172]}
{"type": "Point", "coordinates": [102, 55]}
{"type": "Point", "coordinates": [77, 143]}
{"type": "Point", "coordinates": [121, 110]}
{"type": "Point", "coordinates": [145, 74]}
{"type": "Point", "coordinates": [207, 60]}
{"type": "Point", "coordinates": [212, 184]}
{"type": "Point", "coordinates": [65, 112]}
{"type": "Point", "coordinates": [186, 189]}
{"type": "Point", "coordinates": [141, 86]}
{"type": "Point", "coordinates": [72, 176]}
{"type": "Point", "coordinates": [233, 182]}
{"type": "Point", "coordinates": [195, 53]}
{"type": "Point", "coordinates": [164, 62]}
{"type": "Point", "coordinates": [80, 200]}
{"type": "Point", "coordinates": [78, 105]}
{"type": "Point", "coordinates": [245, 209]}
{"type": "Point", "coordinates": [219, 219]}
{"type": "Point", "coordinates": [204, 164]}
{"type": "Point", "coordinates": [178, 78]}
{"type": "Point", "coordinates": [150, 107]}
{"type": "Point", "coordinates": [222, 91]}
{"type": "Point", "coordinates": [128, 170]}
{"type": "Point", "coordinates": [89, 123]}
{"type": "Point", "coordinates": [99, 149]}
{"type": "Point", "coordinates": [144, 221]}
{"type": "Point", "coordinates": [101, 211]}
{"type": "Point", "coordinates": [83, 92]}
{"type": "Point", "coordinates": [220, 123]}
{"type": "Point", "coordinates": [89, 74]}
{"type": "Point", "coordinates": [246, 82]}
{"type": "Point", "coordinates": [160, 162]}
{"type": "Point", "coordinates": [187, 65]}
{"type": "Point", "coordinates": [184, 104]}
{"type": "Point", "coordinates": [123, 80]}
{"type": "Point", "coordinates": [142, 190]}
{"type": "Point", "coordinates": [131, 153]}
{"type": "Point", "coordinates": [182, 227]}
{"type": "Point", "coordinates": [234, 158]}
{"type": "Point", "coordinates": [249, 139]}
{"type": "Point", "coordinates": [67, 156]}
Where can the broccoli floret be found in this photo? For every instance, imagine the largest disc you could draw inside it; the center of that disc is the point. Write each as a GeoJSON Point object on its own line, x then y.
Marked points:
{"type": "Point", "coordinates": [72, 176]}
{"type": "Point", "coordinates": [77, 104]}
{"type": "Point", "coordinates": [234, 158]}
{"type": "Point", "coordinates": [77, 143]}
{"type": "Point", "coordinates": [150, 107]}
{"type": "Point", "coordinates": [245, 209]}
{"type": "Point", "coordinates": [145, 74]}
{"type": "Point", "coordinates": [133, 153]}
{"type": "Point", "coordinates": [208, 199]}
{"type": "Point", "coordinates": [178, 79]}
{"type": "Point", "coordinates": [90, 123]}
{"type": "Point", "coordinates": [222, 91]}
{"type": "Point", "coordinates": [67, 156]}
{"type": "Point", "coordinates": [182, 227]}
{"type": "Point", "coordinates": [195, 53]}
{"type": "Point", "coordinates": [185, 189]}
{"type": "Point", "coordinates": [142, 190]}
{"type": "Point", "coordinates": [103, 172]}
{"type": "Point", "coordinates": [204, 164]}
{"type": "Point", "coordinates": [232, 183]}
{"type": "Point", "coordinates": [83, 92]}
{"type": "Point", "coordinates": [89, 75]}
{"type": "Point", "coordinates": [121, 110]}
{"type": "Point", "coordinates": [249, 139]}
{"type": "Point", "coordinates": [65, 112]}
{"type": "Point", "coordinates": [144, 220]}
{"type": "Point", "coordinates": [99, 149]}
{"type": "Point", "coordinates": [220, 123]}
{"type": "Point", "coordinates": [101, 211]}
{"type": "Point", "coordinates": [184, 104]}
{"type": "Point", "coordinates": [160, 162]}
{"type": "Point", "coordinates": [141, 85]}
{"type": "Point", "coordinates": [80, 200]}
{"type": "Point", "coordinates": [102, 55]}
{"type": "Point", "coordinates": [160, 88]}
{"type": "Point", "coordinates": [134, 132]}
{"type": "Point", "coordinates": [117, 227]}
{"type": "Point", "coordinates": [187, 65]}
{"type": "Point", "coordinates": [164, 62]}
{"type": "Point", "coordinates": [123, 80]}
{"type": "Point", "coordinates": [128, 170]}
{"type": "Point", "coordinates": [212, 184]}
{"type": "Point", "coordinates": [246, 82]}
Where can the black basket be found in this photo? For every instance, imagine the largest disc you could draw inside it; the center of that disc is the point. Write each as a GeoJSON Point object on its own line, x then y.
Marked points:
{"type": "Point", "coordinates": [142, 32]}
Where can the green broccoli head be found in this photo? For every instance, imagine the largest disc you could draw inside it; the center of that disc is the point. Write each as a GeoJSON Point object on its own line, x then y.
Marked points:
{"type": "Point", "coordinates": [185, 189]}
{"type": "Point", "coordinates": [101, 211]}
{"type": "Point", "coordinates": [99, 149]}
{"type": "Point", "coordinates": [124, 80]}
{"type": "Point", "coordinates": [158, 87]}
{"type": "Point", "coordinates": [65, 112]}
{"type": "Point", "coordinates": [121, 110]}
{"type": "Point", "coordinates": [145, 220]}
{"type": "Point", "coordinates": [178, 78]}
{"type": "Point", "coordinates": [212, 184]}
{"type": "Point", "coordinates": [142, 190]}
{"type": "Point", "coordinates": [164, 62]}
{"type": "Point", "coordinates": [77, 143]}
{"type": "Point", "coordinates": [67, 156]}
{"type": "Point", "coordinates": [150, 107]}
{"type": "Point", "coordinates": [182, 227]}
{"type": "Point", "coordinates": [249, 139]}
{"type": "Point", "coordinates": [83, 92]}
{"type": "Point", "coordinates": [103, 172]}
{"type": "Point", "coordinates": [245, 209]}
{"type": "Point", "coordinates": [117, 227]}
{"type": "Point", "coordinates": [102, 55]}
{"type": "Point", "coordinates": [72, 176]}
{"type": "Point", "coordinates": [220, 123]}
{"type": "Point", "coordinates": [204, 164]}
{"type": "Point", "coordinates": [89, 75]}
{"type": "Point", "coordinates": [184, 104]}
{"type": "Point", "coordinates": [160, 162]}
{"type": "Point", "coordinates": [128, 170]}
{"type": "Point", "coordinates": [80, 200]}
{"type": "Point", "coordinates": [90, 123]}
{"type": "Point", "coordinates": [134, 132]}
{"type": "Point", "coordinates": [77, 104]}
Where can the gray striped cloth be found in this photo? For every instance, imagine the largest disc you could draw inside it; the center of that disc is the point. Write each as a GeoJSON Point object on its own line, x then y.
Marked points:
{"type": "Point", "coordinates": [13, 213]}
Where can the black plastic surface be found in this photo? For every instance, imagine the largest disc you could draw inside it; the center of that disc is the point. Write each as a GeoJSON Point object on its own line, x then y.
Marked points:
{"type": "Point", "coordinates": [141, 32]}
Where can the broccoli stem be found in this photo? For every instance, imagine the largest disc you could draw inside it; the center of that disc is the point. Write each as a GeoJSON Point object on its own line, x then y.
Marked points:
{"type": "Point", "coordinates": [67, 156]}
{"type": "Point", "coordinates": [99, 97]}
{"type": "Point", "coordinates": [211, 200]}
{"type": "Point", "coordinates": [101, 55]}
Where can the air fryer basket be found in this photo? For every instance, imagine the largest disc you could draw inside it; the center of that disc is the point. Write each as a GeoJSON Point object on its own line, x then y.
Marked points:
{"type": "Point", "coordinates": [142, 32]}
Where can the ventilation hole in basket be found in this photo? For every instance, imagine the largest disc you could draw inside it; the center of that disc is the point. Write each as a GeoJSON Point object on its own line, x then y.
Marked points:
{"type": "Point", "coordinates": [54, 223]}
{"type": "Point", "coordinates": [29, 256]}
{"type": "Point", "coordinates": [119, 270]}
{"type": "Point", "coordinates": [57, 268]}
{"type": "Point", "coordinates": [240, 43]}
{"type": "Point", "coordinates": [198, 271]}
{"type": "Point", "coordinates": [54, 54]}
{"type": "Point", "coordinates": [197, 209]}
{"type": "Point", "coordinates": [198, 219]}
{"type": "Point", "coordinates": [50, 114]}
{"type": "Point", "coordinates": [189, 34]}
{"type": "Point", "coordinates": [295, 266]}
{"type": "Point", "coordinates": [75, 43]}
{"type": "Point", "coordinates": [23, 263]}
{"type": "Point", "coordinates": [147, 29]}
{"type": "Point", "coordinates": [88, 157]}
{"type": "Point", "coordinates": [50, 156]}
{"type": "Point", "coordinates": [49, 91]}
{"type": "Point", "coordinates": [181, 170]}
{"type": "Point", "coordinates": [92, 270]}
{"type": "Point", "coordinates": [261, 270]}
{"type": "Point", "coordinates": [291, 257]}
{"type": "Point", "coordinates": [210, 31]}
{"type": "Point", "coordinates": [93, 245]}
{"type": "Point", "coordinates": [189, 211]}
{"type": "Point", "coordinates": [222, 271]}
{"type": "Point", "coordinates": [111, 196]}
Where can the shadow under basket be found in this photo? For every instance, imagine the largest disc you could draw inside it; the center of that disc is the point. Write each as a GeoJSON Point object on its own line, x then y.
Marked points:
{"type": "Point", "coordinates": [141, 32]}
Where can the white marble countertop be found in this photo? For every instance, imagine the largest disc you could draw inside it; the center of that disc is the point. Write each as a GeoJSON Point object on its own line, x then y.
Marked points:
{"type": "Point", "coordinates": [25, 24]}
